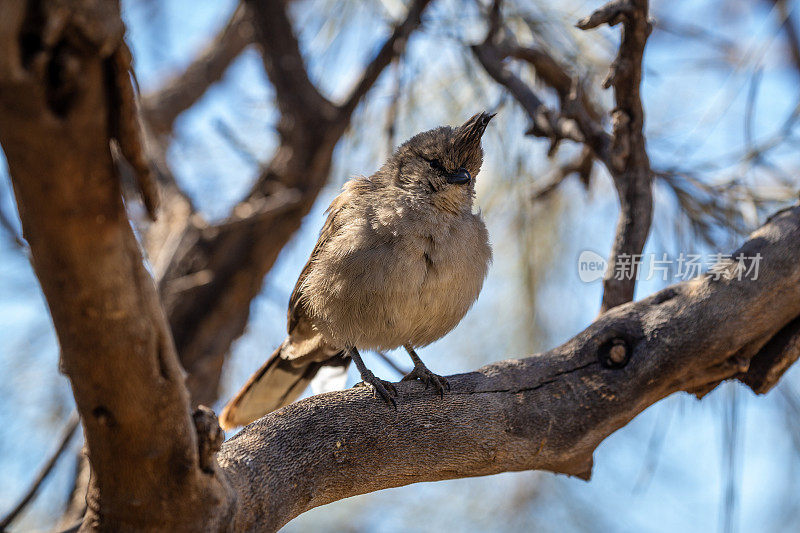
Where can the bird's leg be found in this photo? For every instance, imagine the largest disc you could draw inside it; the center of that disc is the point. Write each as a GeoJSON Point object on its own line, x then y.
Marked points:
{"type": "Point", "coordinates": [422, 373]}
{"type": "Point", "coordinates": [378, 386]}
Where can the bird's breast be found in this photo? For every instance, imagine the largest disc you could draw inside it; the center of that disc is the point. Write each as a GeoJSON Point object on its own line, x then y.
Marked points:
{"type": "Point", "coordinates": [411, 288]}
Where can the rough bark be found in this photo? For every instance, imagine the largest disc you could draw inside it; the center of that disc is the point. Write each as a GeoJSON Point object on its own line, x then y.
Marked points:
{"type": "Point", "coordinates": [58, 98]}
{"type": "Point", "coordinates": [629, 162]}
{"type": "Point", "coordinates": [548, 411]}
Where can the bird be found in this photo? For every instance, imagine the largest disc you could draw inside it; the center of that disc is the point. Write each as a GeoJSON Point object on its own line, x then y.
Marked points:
{"type": "Point", "coordinates": [400, 259]}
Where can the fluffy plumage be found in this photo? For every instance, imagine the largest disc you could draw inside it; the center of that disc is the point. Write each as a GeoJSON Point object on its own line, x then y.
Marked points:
{"type": "Point", "coordinates": [399, 261]}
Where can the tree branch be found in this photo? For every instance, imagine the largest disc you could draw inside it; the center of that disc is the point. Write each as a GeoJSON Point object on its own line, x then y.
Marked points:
{"type": "Point", "coordinates": [161, 107]}
{"type": "Point", "coordinates": [791, 31]}
{"type": "Point", "coordinates": [552, 73]}
{"type": "Point", "coordinates": [582, 166]}
{"type": "Point", "coordinates": [611, 13]}
{"type": "Point", "coordinates": [9, 229]}
{"type": "Point", "coordinates": [623, 153]}
{"type": "Point", "coordinates": [125, 127]}
{"type": "Point", "coordinates": [544, 122]}
{"type": "Point", "coordinates": [392, 48]}
{"type": "Point", "coordinates": [549, 411]}
{"type": "Point", "coordinates": [296, 95]}
{"type": "Point", "coordinates": [578, 119]}
{"type": "Point", "coordinates": [630, 165]}
{"type": "Point", "coordinates": [66, 436]}
{"type": "Point", "coordinates": [116, 347]}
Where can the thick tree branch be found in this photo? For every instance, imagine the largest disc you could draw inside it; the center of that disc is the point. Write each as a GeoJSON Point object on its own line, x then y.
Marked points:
{"type": "Point", "coordinates": [549, 411]}
{"type": "Point", "coordinates": [629, 163]}
{"type": "Point", "coordinates": [59, 99]}
{"type": "Point", "coordinates": [179, 93]}
{"type": "Point", "coordinates": [296, 95]}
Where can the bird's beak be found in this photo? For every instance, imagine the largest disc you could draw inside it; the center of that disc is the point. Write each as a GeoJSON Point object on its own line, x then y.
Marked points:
{"type": "Point", "coordinates": [460, 176]}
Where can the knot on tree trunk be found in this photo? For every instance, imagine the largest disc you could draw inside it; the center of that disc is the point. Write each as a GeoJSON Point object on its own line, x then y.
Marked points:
{"type": "Point", "coordinates": [615, 353]}
{"type": "Point", "coordinates": [209, 437]}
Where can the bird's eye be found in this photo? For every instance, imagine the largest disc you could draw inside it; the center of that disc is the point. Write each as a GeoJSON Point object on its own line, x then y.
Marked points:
{"type": "Point", "coordinates": [437, 165]}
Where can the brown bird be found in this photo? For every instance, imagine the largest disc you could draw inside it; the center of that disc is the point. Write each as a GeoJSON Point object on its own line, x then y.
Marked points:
{"type": "Point", "coordinates": [399, 261]}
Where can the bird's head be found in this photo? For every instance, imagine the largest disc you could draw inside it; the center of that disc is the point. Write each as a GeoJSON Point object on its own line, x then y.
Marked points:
{"type": "Point", "coordinates": [441, 164]}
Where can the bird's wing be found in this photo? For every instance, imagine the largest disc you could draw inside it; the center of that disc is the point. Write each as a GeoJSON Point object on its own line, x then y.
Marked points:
{"type": "Point", "coordinates": [287, 373]}
{"type": "Point", "coordinates": [297, 311]}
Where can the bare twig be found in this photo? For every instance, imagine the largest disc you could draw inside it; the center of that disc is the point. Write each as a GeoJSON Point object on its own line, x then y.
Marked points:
{"type": "Point", "coordinates": [701, 33]}
{"type": "Point", "coordinates": [578, 119]}
{"type": "Point", "coordinates": [238, 145]}
{"type": "Point", "coordinates": [391, 49]}
{"type": "Point", "coordinates": [392, 109]}
{"type": "Point", "coordinates": [581, 165]}
{"type": "Point", "coordinates": [629, 162]}
{"type": "Point", "coordinates": [791, 31]}
{"type": "Point", "coordinates": [388, 360]}
{"type": "Point", "coordinates": [612, 13]}
{"type": "Point", "coordinates": [179, 93]}
{"type": "Point", "coordinates": [547, 68]}
{"type": "Point", "coordinates": [66, 436]}
{"type": "Point", "coordinates": [544, 122]}
{"type": "Point", "coordinates": [566, 85]}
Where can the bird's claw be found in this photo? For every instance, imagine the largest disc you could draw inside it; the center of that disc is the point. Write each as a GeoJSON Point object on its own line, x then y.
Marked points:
{"type": "Point", "coordinates": [379, 387]}
{"type": "Point", "coordinates": [422, 373]}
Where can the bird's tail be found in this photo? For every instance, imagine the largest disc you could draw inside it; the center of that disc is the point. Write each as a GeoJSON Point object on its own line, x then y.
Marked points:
{"type": "Point", "coordinates": [278, 382]}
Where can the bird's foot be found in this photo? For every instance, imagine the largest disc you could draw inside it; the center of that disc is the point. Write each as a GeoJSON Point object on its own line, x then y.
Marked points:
{"type": "Point", "coordinates": [379, 387]}
{"type": "Point", "coordinates": [422, 373]}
